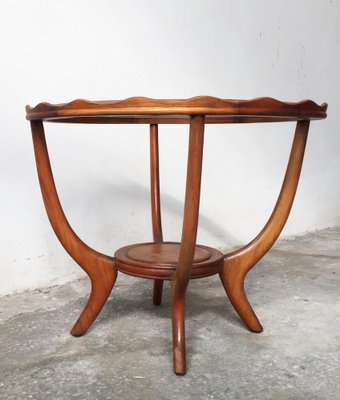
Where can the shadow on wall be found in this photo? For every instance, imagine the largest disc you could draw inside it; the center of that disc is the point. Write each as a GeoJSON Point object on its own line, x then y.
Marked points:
{"type": "Point", "coordinates": [123, 210]}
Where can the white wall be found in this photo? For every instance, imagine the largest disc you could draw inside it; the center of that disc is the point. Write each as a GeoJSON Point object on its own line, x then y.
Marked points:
{"type": "Point", "coordinates": [62, 50]}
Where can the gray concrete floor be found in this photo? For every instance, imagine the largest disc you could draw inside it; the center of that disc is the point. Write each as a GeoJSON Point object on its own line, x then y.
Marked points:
{"type": "Point", "coordinates": [295, 291]}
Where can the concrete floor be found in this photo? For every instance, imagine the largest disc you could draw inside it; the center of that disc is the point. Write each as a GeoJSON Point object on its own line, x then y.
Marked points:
{"type": "Point", "coordinates": [295, 291]}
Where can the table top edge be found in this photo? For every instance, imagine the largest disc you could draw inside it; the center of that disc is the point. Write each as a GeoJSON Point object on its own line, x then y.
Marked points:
{"type": "Point", "coordinates": [200, 105]}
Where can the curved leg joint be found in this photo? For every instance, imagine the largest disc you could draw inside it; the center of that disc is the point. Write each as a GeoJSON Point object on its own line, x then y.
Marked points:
{"type": "Point", "coordinates": [232, 279]}
{"type": "Point", "coordinates": [101, 286]}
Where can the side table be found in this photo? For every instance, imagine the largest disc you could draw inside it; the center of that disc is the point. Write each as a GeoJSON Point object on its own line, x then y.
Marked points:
{"type": "Point", "coordinates": [159, 260]}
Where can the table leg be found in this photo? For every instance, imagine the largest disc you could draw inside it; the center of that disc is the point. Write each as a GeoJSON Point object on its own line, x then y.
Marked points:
{"type": "Point", "coordinates": [99, 267]}
{"type": "Point", "coordinates": [238, 263]}
{"type": "Point", "coordinates": [155, 204]}
{"type": "Point", "coordinates": [157, 291]}
{"type": "Point", "coordinates": [181, 276]}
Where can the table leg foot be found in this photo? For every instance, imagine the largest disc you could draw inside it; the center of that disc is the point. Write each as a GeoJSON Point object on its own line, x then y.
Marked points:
{"type": "Point", "coordinates": [233, 283]}
{"type": "Point", "coordinates": [178, 330]}
{"type": "Point", "coordinates": [157, 291]}
{"type": "Point", "coordinates": [101, 287]}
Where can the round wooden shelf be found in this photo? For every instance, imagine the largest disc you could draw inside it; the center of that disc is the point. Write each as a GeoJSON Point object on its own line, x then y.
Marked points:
{"type": "Point", "coordinates": [159, 260]}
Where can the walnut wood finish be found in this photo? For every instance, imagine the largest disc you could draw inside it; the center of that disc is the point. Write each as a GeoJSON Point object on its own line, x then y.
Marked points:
{"type": "Point", "coordinates": [174, 119]}
{"type": "Point", "coordinates": [155, 204]}
{"type": "Point", "coordinates": [239, 262]}
{"type": "Point", "coordinates": [142, 107]}
{"type": "Point", "coordinates": [99, 267]}
{"type": "Point", "coordinates": [182, 274]}
{"type": "Point", "coordinates": [159, 260]}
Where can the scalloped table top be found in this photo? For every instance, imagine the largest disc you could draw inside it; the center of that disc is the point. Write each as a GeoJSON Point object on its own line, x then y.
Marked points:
{"type": "Point", "coordinates": [146, 110]}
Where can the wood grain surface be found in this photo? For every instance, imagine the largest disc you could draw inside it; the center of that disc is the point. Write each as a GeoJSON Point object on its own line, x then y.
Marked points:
{"type": "Point", "coordinates": [160, 260]}
{"type": "Point", "coordinates": [144, 108]}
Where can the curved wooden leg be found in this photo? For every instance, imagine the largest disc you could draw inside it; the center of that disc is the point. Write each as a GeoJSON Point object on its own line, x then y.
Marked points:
{"type": "Point", "coordinates": [155, 204]}
{"type": "Point", "coordinates": [99, 267]}
{"type": "Point", "coordinates": [232, 278]}
{"type": "Point", "coordinates": [157, 291]}
{"type": "Point", "coordinates": [102, 283]}
{"type": "Point", "coordinates": [182, 273]}
{"type": "Point", "coordinates": [238, 263]}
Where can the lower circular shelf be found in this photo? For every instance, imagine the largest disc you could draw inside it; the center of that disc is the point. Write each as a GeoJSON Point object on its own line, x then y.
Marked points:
{"type": "Point", "coordinates": [159, 260]}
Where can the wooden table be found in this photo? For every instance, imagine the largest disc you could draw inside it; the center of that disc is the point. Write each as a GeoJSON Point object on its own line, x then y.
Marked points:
{"type": "Point", "coordinates": [159, 260]}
